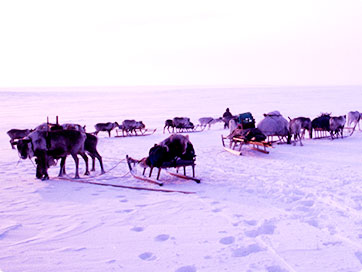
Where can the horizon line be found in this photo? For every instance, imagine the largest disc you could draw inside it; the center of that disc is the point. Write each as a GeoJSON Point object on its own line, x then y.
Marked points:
{"type": "Point", "coordinates": [190, 86]}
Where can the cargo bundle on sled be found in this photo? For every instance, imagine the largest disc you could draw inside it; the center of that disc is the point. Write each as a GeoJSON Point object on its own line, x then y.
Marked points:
{"type": "Point", "coordinates": [244, 133]}
{"type": "Point", "coordinates": [175, 151]}
{"type": "Point", "coordinates": [181, 125]}
{"type": "Point", "coordinates": [133, 128]}
{"type": "Point", "coordinates": [235, 143]}
{"type": "Point", "coordinates": [275, 127]}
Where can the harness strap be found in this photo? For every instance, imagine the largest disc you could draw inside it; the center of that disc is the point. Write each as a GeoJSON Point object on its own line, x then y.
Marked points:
{"type": "Point", "coordinates": [47, 140]}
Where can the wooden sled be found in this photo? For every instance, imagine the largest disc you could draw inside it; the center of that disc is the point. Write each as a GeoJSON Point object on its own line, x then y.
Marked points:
{"type": "Point", "coordinates": [166, 165]}
{"type": "Point", "coordinates": [142, 132]}
{"type": "Point", "coordinates": [198, 128]}
{"type": "Point", "coordinates": [236, 144]}
{"type": "Point", "coordinates": [320, 133]}
{"type": "Point", "coordinates": [275, 139]}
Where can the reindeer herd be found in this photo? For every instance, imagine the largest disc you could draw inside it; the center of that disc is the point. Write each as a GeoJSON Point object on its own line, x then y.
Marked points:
{"type": "Point", "coordinates": [323, 125]}
{"type": "Point", "coordinates": [50, 142]}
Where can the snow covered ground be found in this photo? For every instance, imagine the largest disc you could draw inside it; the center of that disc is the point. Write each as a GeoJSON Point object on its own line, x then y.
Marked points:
{"type": "Point", "coordinates": [295, 209]}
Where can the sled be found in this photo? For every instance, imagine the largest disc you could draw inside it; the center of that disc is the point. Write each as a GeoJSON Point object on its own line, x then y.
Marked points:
{"type": "Point", "coordinates": [198, 128]}
{"type": "Point", "coordinates": [275, 139]}
{"type": "Point", "coordinates": [236, 144]}
{"type": "Point", "coordinates": [166, 165]}
{"type": "Point", "coordinates": [320, 133]}
{"type": "Point", "coordinates": [142, 132]}
{"type": "Point", "coordinates": [187, 130]}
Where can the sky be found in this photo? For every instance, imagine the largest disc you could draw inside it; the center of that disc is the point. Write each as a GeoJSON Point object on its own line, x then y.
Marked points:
{"type": "Point", "coordinates": [188, 42]}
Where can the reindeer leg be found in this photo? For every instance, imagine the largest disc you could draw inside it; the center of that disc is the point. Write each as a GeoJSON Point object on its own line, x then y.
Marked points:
{"type": "Point", "coordinates": [85, 158]}
{"type": "Point", "coordinates": [62, 167]}
{"type": "Point", "coordinates": [96, 154]}
{"type": "Point", "coordinates": [76, 161]}
{"type": "Point", "coordinates": [93, 162]}
{"type": "Point", "coordinates": [300, 140]}
{"type": "Point", "coordinates": [295, 139]}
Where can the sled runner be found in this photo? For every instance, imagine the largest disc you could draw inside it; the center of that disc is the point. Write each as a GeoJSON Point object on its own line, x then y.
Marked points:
{"type": "Point", "coordinates": [141, 132]}
{"type": "Point", "coordinates": [132, 164]}
{"type": "Point", "coordinates": [197, 128]}
{"type": "Point", "coordinates": [236, 144]}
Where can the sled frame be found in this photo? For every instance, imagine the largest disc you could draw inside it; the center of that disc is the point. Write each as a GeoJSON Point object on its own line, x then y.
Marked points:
{"type": "Point", "coordinates": [181, 164]}
{"type": "Point", "coordinates": [236, 144]}
{"type": "Point", "coordinates": [142, 132]}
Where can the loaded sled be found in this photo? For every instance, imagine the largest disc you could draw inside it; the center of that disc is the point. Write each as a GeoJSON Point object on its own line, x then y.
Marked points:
{"type": "Point", "coordinates": [141, 132]}
{"type": "Point", "coordinates": [175, 151]}
{"type": "Point", "coordinates": [234, 145]}
{"type": "Point", "coordinates": [245, 134]}
{"type": "Point", "coordinates": [275, 127]}
{"type": "Point", "coordinates": [136, 165]}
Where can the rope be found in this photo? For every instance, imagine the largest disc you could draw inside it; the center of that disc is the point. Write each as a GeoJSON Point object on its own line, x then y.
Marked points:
{"type": "Point", "coordinates": [110, 169]}
{"type": "Point", "coordinates": [131, 187]}
{"type": "Point", "coordinates": [106, 172]}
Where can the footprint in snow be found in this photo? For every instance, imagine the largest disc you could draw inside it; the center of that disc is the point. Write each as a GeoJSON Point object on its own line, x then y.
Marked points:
{"type": "Point", "coordinates": [147, 256]}
{"type": "Point", "coordinates": [162, 237]}
{"type": "Point", "coordinates": [137, 229]}
{"type": "Point", "coordinates": [189, 268]}
{"type": "Point", "coordinates": [275, 268]}
{"type": "Point", "coordinates": [227, 240]}
{"type": "Point", "coordinates": [245, 251]}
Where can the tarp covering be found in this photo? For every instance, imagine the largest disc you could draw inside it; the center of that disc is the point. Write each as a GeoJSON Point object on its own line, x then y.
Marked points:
{"type": "Point", "coordinates": [274, 124]}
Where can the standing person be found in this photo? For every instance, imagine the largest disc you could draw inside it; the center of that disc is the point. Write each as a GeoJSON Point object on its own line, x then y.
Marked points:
{"type": "Point", "coordinates": [227, 116]}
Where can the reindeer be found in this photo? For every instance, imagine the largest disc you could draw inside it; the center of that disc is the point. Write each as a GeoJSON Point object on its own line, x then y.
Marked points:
{"type": "Point", "coordinates": [295, 129]}
{"type": "Point", "coordinates": [178, 123]}
{"type": "Point", "coordinates": [208, 121]}
{"type": "Point", "coordinates": [336, 125]}
{"type": "Point", "coordinates": [354, 117]}
{"type": "Point", "coordinates": [130, 126]}
{"type": "Point", "coordinates": [49, 145]}
{"type": "Point", "coordinates": [320, 125]}
{"type": "Point", "coordinates": [105, 127]}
